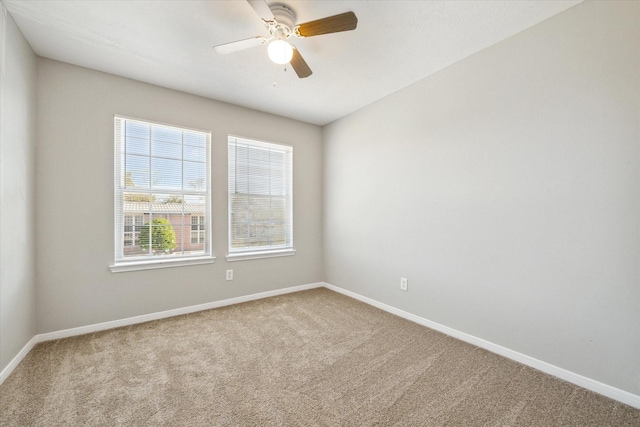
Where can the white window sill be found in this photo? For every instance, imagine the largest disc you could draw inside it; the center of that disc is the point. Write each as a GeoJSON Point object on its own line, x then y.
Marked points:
{"type": "Point", "coordinates": [164, 263]}
{"type": "Point", "coordinates": [241, 256]}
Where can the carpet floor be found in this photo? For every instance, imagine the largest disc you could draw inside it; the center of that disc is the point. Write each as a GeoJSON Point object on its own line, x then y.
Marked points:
{"type": "Point", "coordinates": [311, 358]}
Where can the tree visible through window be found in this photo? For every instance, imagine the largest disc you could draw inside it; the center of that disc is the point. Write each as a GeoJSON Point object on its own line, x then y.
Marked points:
{"type": "Point", "coordinates": [162, 185]}
{"type": "Point", "coordinates": [260, 196]}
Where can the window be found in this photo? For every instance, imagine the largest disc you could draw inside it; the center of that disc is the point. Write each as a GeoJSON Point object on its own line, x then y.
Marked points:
{"type": "Point", "coordinates": [197, 229]}
{"type": "Point", "coordinates": [260, 199]}
{"type": "Point", "coordinates": [162, 190]}
{"type": "Point", "coordinates": [132, 227]}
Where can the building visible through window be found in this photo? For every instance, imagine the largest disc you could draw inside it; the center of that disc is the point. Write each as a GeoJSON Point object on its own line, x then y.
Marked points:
{"type": "Point", "coordinates": [132, 226]}
{"type": "Point", "coordinates": [197, 230]}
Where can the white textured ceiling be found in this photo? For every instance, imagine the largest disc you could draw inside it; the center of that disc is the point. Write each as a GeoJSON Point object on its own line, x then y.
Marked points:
{"type": "Point", "coordinates": [169, 43]}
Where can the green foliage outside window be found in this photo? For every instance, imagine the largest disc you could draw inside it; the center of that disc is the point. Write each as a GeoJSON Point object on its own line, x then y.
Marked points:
{"type": "Point", "coordinates": [163, 238]}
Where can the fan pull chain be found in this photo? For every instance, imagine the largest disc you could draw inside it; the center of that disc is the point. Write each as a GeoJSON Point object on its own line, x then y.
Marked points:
{"type": "Point", "coordinates": [274, 76]}
{"type": "Point", "coordinates": [275, 73]}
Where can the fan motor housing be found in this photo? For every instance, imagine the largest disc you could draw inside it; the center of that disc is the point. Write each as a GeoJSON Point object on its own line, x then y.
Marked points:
{"type": "Point", "coordinates": [283, 14]}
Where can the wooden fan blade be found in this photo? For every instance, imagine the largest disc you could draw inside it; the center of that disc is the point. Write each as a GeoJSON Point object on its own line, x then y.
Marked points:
{"type": "Point", "coordinates": [333, 24]}
{"type": "Point", "coordinates": [262, 9]}
{"type": "Point", "coordinates": [240, 45]}
{"type": "Point", "coordinates": [299, 65]}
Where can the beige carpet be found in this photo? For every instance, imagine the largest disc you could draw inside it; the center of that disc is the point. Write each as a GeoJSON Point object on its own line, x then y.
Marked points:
{"type": "Point", "coordinates": [304, 359]}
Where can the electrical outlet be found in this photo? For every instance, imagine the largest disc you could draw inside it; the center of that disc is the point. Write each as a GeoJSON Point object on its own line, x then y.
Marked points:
{"type": "Point", "coordinates": [229, 274]}
{"type": "Point", "coordinates": [404, 284]}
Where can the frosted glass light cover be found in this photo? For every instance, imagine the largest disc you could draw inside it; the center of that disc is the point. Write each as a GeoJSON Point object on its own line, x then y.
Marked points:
{"type": "Point", "coordinates": [280, 52]}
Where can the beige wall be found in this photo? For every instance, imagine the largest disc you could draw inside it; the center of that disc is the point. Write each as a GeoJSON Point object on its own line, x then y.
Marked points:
{"type": "Point", "coordinates": [75, 178]}
{"type": "Point", "coordinates": [17, 190]}
{"type": "Point", "coordinates": [506, 189]}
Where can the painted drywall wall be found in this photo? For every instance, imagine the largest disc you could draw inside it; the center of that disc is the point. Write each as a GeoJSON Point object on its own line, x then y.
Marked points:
{"type": "Point", "coordinates": [506, 189]}
{"type": "Point", "coordinates": [75, 241]}
{"type": "Point", "coordinates": [17, 190]}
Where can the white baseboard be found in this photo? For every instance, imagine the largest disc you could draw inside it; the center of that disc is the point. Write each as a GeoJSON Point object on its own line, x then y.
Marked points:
{"type": "Point", "coordinates": [66, 333]}
{"type": "Point", "coordinates": [588, 383]}
{"type": "Point", "coordinates": [16, 360]}
{"type": "Point", "coordinates": [579, 380]}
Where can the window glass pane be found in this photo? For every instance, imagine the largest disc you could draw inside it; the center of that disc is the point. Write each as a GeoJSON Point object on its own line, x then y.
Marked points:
{"type": "Point", "coordinates": [239, 173]}
{"type": "Point", "coordinates": [278, 179]}
{"type": "Point", "coordinates": [152, 223]}
{"type": "Point", "coordinates": [166, 134]}
{"type": "Point", "coordinates": [260, 209]}
{"type": "Point", "coordinates": [137, 146]}
{"type": "Point", "coordinates": [195, 176]}
{"type": "Point", "coordinates": [142, 199]}
{"type": "Point", "coordinates": [166, 149]}
{"type": "Point", "coordinates": [258, 171]}
{"type": "Point", "coordinates": [195, 140]}
{"type": "Point", "coordinates": [137, 129]}
{"type": "Point", "coordinates": [136, 171]}
{"type": "Point", "coordinates": [259, 200]}
{"type": "Point", "coordinates": [278, 209]}
{"type": "Point", "coordinates": [166, 173]}
{"type": "Point", "coordinates": [239, 208]}
{"type": "Point", "coordinates": [239, 234]}
{"type": "Point", "coordinates": [194, 154]}
{"type": "Point", "coordinates": [278, 234]}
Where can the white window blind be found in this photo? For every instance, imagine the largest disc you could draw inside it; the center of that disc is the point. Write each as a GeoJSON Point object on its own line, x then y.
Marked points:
{"type": "Point", "coordinates": [260, 196]}
{"type": "Point", "coordinates": [162, 182]}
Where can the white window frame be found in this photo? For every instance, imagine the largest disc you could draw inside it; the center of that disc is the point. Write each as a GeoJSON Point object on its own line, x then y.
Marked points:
{"type": "Point", "coordinates": [130, 263]}
{"type": "Point", "coordinates": [267, 251]}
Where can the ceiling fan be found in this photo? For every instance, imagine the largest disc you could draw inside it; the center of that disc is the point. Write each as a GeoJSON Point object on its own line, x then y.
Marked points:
{"type": "Point", "coordinates": [280, 21]}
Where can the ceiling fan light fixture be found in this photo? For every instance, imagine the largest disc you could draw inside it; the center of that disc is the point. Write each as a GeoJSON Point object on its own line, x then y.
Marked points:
{"type": "Point", "coordinates": [280, 51]}
{"type": "Point", "coordinates": [280, 21]}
